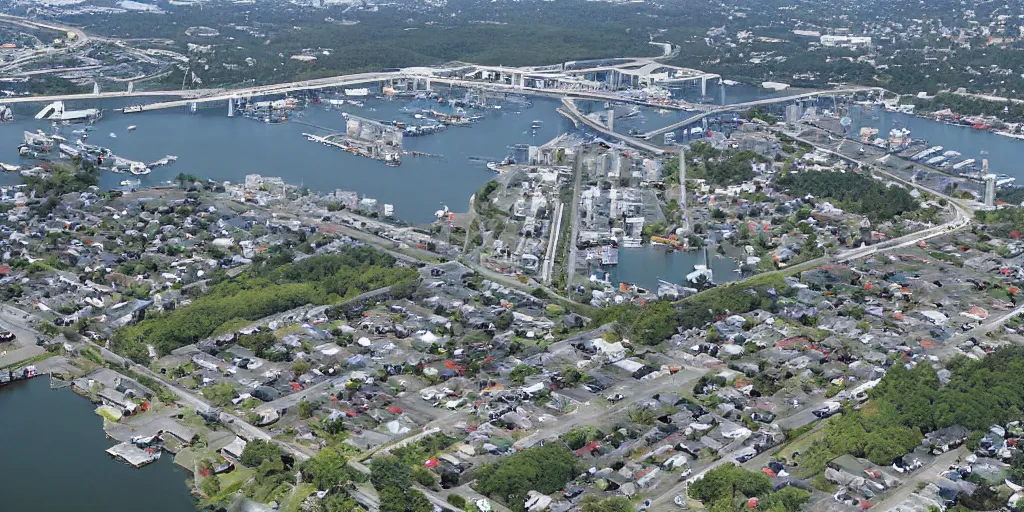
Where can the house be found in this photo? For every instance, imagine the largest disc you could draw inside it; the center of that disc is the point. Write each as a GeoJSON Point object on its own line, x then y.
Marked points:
{"type": "Point", "coordinates": [233, 451]}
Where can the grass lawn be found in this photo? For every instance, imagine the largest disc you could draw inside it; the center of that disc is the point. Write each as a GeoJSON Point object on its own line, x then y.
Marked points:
{"type": "Point", "coordinates": [297, 496]}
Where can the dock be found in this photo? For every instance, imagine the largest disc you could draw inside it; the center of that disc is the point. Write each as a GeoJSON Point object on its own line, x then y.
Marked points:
{"type": "Point", "coordinates": [134, 456]}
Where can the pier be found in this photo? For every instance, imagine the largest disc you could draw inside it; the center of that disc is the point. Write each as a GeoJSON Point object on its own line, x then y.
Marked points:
{"type": "Point", "coordinates": [134, 456]}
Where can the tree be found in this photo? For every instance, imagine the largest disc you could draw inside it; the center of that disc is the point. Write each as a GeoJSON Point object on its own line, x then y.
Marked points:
{"type": "Point", "coordinates": [544, 468]}
{"type": "Point", "coordinates": [337, 502]}
{"type": "Point", "coordinates": [327, 470]}
{"type": "Point", "coordinates": [389, 471]}
{"type": "Point", "coordinates": [257, 451]}
{"type": "Point", "coordinates": [614, 504]}
{"type": "Point", "coordinates": [504, 320]}
{"type": "Point", "coordinates": [404, 289]}
{"type": "Point", "coordinates": [210, 486]}
{"type": "Point", "coordinates": [728, 482]}
{"type": "Point", "coordinates": [307, 408]}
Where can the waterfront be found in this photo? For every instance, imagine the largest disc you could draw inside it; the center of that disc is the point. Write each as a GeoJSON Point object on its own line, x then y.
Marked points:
{"type": "Point", "coordinates": [53, 450]}
{"type": "Point", "coordinates": [211, 145]}
{"type": "Point", "coordinates": [1003, 153]}
{"type": "Point", "coordinates": [646, 265]}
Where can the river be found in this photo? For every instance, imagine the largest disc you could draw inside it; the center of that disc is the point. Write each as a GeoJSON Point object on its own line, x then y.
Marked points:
{"type": "Point", "coordinates": [54, 459]}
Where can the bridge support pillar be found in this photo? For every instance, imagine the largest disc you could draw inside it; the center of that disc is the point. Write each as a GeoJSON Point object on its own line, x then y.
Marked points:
{"type": "Point", "coordinates": [231, 107]}
{"type": "Point", "coordinates": [703, 86]}
{"type": "Point", "coordinates": [611, 119]}
{"type": "Point", "coordinates": [428, 84]}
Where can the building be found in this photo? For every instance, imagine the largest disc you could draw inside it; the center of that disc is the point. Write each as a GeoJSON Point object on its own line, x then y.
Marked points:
{"type": "Point", "coordinates": [846, 41]}
{"type": "Point", "coordinates": [793, 113]}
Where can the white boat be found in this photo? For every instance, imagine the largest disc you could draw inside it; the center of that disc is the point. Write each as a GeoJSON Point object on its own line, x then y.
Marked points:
{"type": "Point", "coordinates": [357, 92]}
{"type": "Point", "coordinates": [138, 169]}
{"type": "Point", "coordinates": [935, 160]}
{"type": "Point", "coordinates": [131, 109]}
{"type": "Point", "coordinates": [927, 153]}
{"type": "Point", "coordinates": [132, 128]}
{"type": "Point", "coordinates": [130, 183]}
{"type": "Point", "coordinates": [963, 164]}
{"type": "Point", "coordinates": [113, 135]}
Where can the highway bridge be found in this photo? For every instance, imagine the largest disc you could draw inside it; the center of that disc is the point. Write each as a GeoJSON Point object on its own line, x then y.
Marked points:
{"type": "Point", "coordinates": [749, 104]}
{"type": "Point", "coordinates": [569, 109]}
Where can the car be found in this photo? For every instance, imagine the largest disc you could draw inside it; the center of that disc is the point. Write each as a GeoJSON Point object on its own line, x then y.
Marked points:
{"type": "Point", "coordinates": [745, 456]}
{"type": "Point", "coordinates": [685, 473]}
{"type": "Point", "coordinates": [827, 410]}
{"type": "Point", "coordinates": [573, 492]}
{"type": "Point", "coordinates": [762, 417]}
{"type": "Point", "coordinates": [615, 398]}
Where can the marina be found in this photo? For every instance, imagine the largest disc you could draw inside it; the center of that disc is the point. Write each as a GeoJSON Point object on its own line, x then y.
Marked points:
{"type": "Point", "coordinates": [61, 440]}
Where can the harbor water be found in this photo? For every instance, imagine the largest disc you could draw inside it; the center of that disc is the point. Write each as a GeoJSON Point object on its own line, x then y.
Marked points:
{"type": "Point", "coordinates": [644, 266]}
{"type": "Point", "coordinates": [1004, 153]}
{"type": "Point", "coordinates": [211, 145]}
{"type": "Point", "coordinates": [54, 458]}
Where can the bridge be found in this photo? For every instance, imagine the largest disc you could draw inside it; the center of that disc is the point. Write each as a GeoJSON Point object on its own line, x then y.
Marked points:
{"type": "Point", "coordinates": [748, 104]}
{"type": "Point", "coordinates": [576, 116]}
{"type": "Point", "coordinates": [193, 93]}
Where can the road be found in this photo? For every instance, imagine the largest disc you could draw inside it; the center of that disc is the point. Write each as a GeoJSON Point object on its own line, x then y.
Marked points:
{"type": "Point", "coordinates": [570, 108]}
{"type": "Point", "coordinates": [577, 186]}
{"type": "Point", "coordinates": [745, 105]}
{"type": "Point", "coordinates": [73, 44]}
{"type": "Point", "coordinates": [589, 413]}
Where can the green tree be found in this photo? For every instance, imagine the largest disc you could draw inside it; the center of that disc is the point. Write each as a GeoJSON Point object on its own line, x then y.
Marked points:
{"type": "Point", "coordinates": [614, 504]}
{"type": "Point", "coordinates": [327, 470]}
{"type": "Point", "coordinates": [257, 451]}
{"type": "Point", "coordinates": [389, 471]}
{"type": "Point", "coordinates": [504, 320]}
{"type": "Point", "coordinates": [210, 486]}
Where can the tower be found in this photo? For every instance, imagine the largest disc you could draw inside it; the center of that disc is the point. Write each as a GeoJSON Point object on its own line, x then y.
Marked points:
{"type": "Point", "coordinates": [990, 184]}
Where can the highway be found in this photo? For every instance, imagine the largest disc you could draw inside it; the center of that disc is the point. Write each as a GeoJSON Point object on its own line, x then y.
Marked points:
{"type": "Point", "coordinates": [78, 41]}
{"type": "Point", "coordinates": [748, 104]}
{"type": "Point", "coordinates": [570, 108]}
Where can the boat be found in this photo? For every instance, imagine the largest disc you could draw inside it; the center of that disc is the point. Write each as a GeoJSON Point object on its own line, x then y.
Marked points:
{"type": "Point", "coordinates": [632, 242]}
{"type": "Point", "coordinates": [536, 125]}
{"type": "Point", "coordinates": [132, 128]}
{"type": "Point", "coordinates": [69, 151]}
{"type": "Point", "coordinates": [113, 135]}
{"type": "Point", "coordinates": [927, 153]}
{"type": "Point", "coordinates": [1004, 179]}
{"type": "Point", "coordinates": [951, 154]}
{"type": "Point", "coordinates": [132, 109]}
{"type": "Point", "coordinates": [961, 165]}
{"type": "Point", "coordinates": [138, 169]}
{"type": "Point", "coordinates": [9, 168]}
{"type": "Point", "coordinates": [357, 92]}
{"type": "Point", "coordinates": [935, 160]}
{"type": "Point", "coordinates": [130, 183]}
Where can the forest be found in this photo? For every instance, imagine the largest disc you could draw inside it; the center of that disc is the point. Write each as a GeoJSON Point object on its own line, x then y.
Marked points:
{"type": "Point", "coordinates": [908, 403]}
{"type": "Point", "coordinates": [853, 192]}
{"type": "Point", "coordinates": [268, 288]}
{"type": "Point", "coordinates": [721, 167]}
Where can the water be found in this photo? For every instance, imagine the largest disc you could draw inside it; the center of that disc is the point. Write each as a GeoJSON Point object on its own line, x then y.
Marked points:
{"type": "Point", "coordinates": [646, 265]}
{"type": "Point", "coordinates": [211, 145]}
{"type": "Point", "coordinates": [1004, 153]}
{"type": "Point", "coordinates": [54, 459]}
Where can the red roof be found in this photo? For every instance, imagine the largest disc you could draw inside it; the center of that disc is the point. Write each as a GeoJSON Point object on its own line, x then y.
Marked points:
{"type": "Point", "coordinates": [394, 409]}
